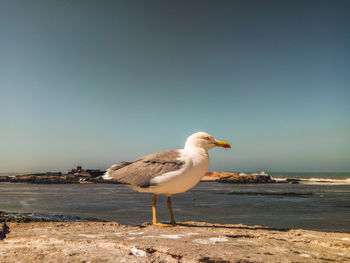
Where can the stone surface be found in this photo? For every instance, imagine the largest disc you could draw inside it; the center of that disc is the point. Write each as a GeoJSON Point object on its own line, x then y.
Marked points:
{"type": "Point", "coordinates": [189, 242]}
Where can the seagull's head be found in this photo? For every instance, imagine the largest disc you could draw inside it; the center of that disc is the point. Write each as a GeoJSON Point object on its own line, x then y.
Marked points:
{"type": "Point", "coordinates": [205, 141]}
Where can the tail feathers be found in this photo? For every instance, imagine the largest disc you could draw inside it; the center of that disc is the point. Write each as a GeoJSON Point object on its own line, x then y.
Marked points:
{"type": "Point", "coordinates": [113, 168]}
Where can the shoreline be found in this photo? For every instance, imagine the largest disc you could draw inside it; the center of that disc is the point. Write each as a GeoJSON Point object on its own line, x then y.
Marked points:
{"type": "Point", "coordinates": [188, 242]}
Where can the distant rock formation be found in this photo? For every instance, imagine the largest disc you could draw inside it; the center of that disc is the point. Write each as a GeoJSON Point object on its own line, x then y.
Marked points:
{"type": "Point", "coordinates": [48, 178]}
{"type": "Point", "coordinates": [237, 178]}
{"type": "Point", "coordinates": [88, 173]}
{"type": "Point", "coordinates": [73, 176]}
{"type": "Point", "coordinates": [94, 176]}
{"type": "Point", "coordinates": [4, 178]}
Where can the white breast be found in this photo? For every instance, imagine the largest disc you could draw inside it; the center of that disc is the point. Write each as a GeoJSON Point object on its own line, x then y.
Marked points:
{"type": "Point", "coordinates": [195, 167]}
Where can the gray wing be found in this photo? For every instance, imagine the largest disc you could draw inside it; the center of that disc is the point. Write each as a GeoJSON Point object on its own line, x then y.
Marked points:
{"type": "Point", "coordinates": [141, 171]}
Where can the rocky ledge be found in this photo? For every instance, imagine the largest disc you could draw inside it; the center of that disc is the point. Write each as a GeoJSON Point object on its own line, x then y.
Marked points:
{"type": "Point", "coordinates": [188, 242]}
{"type": "Point", "coordinates": [32, 217]}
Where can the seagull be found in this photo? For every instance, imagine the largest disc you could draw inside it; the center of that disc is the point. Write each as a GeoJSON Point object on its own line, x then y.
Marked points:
{"type": "Point", "coordinates": [167, 172]}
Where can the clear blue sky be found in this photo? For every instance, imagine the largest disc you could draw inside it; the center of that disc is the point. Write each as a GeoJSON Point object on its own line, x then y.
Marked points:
{"type": "Point", "coordinates": [98, 82]}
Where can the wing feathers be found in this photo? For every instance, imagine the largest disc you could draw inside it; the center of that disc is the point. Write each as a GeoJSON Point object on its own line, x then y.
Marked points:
{"type": "Point", "coordinates": [141, 171]}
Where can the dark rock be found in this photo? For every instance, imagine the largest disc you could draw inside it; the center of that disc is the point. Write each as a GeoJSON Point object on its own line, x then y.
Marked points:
{"type": "Point", "coordinates": [44, 179]}
{"type": "Point", "coordinates": [293, 180]}
{"type": "Point", "coordinates": [95, 172]}
{"type": "Point", "coordinates": [21, 218]}
{"type": "Point", "coordinates": [48, 178]}
{"type": "Point", "coordinates": [4, 229]}
{"type": "Point", "coordinates": [4, 178]}
{"type": "Point", "coordinates": [58, 178]}
{"type": "Point", "coordinates": [28, 218]}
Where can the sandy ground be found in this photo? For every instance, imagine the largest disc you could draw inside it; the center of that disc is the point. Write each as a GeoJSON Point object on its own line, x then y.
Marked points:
{"type": "Point", "coordinates": [189, 242]}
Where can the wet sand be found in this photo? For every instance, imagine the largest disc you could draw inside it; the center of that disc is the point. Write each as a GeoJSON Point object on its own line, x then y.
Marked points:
{"type": "Point", "coordinates": [189, 242]}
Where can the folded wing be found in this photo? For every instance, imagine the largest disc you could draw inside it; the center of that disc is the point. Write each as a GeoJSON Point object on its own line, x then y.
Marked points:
{"type": "Point", "coordinates": [141, 171]}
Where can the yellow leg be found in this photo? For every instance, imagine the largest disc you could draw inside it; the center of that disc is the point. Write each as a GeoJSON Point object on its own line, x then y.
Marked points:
{"type": "Point", "coordinates": [155, 222]}
{"type": "Point", "coordinates": [172, 219]}
{"type": "Point", "coordinates": [154, 202]}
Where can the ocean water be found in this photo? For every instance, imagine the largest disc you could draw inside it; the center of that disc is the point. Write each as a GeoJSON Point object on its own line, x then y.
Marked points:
{"type": "Point", "coordinates": [316, 203]}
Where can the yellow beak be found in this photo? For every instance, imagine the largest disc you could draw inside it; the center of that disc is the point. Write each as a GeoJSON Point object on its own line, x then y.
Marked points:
{"type": "Point", "coordinates": [222, 144]}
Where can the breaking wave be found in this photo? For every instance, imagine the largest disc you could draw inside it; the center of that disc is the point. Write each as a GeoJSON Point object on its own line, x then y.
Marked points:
{"type": "Point", "coordinates": [315, 181]}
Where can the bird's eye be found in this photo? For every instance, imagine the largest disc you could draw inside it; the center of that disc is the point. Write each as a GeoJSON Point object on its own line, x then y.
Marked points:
{"type": "Point", "coordinates": [206, 138]}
